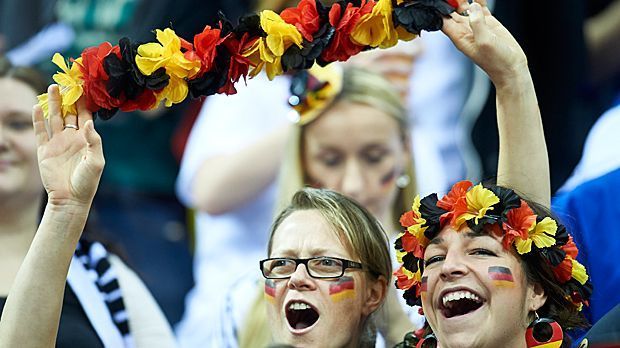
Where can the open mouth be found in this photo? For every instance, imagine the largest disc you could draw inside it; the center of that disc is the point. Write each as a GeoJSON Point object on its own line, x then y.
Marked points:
{"type": "Point", "coordinates": [301, 315]}
{"type": "Point", "coordinates": [460, 302]}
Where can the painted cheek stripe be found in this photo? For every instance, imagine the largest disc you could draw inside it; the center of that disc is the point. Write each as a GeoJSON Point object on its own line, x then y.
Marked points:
{"type": "Point", "coordinates": [501, 276]}
{"type": "Point", "coordinates": [270, 290]}
{"type": "Point", "coordinates": [424, 284]}
{"type": "Point", "coordinates": [389, 177]}
{"type": "Point", "coordinates": [342, 289]}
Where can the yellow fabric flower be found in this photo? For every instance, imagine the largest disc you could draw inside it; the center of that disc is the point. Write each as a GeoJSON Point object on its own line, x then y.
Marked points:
{"type": "Point", "coordinates": [376, 29]}
{"type": "Point", "coordinates": [579, 272]}
{"type": "Point", "coordinates": [541, 235]}
{"type": "Point", "coordinates": [267, 51]}
{"type": "Point", "coordinates": [70, 83]}
{"type": "Point", "coordinates": [400, 254]}
{"type": "Point", "coordinates": [167, 54]}
{"type": "Point", "coordinates": [479, 201]}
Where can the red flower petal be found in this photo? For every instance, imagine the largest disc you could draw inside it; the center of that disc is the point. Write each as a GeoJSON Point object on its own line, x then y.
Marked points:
{"type": "Point", "coordinates": [459, 190]}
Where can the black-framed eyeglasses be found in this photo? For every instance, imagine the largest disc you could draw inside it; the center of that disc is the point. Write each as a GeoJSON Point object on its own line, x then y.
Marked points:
{"type": "Point", "coordinates": [318, 267]}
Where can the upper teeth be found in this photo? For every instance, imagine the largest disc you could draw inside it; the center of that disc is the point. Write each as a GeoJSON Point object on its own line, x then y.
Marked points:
{"type": "Point", "coordinates": [298, 306]}
{"type": "Point", "coordinates": [458, 295]}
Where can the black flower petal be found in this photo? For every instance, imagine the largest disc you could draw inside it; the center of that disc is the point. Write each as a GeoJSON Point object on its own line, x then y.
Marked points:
{"type": "Point", "coordinates": [554, 255]}
{"type": "Point", "coordinates": [419, 15]}
{"type": "Point", "coordinates": [296, 58]}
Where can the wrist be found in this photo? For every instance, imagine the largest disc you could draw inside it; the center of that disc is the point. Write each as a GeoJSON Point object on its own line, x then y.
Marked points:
{"type": "Point", "coordinates": [512, 80]}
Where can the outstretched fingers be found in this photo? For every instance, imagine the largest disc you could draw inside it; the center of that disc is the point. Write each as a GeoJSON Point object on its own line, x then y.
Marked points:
{"type": "Point", "coordinates": [83, 113]}
{"type": "Point", "coordinates": [38, 123]}
{"type": "Point", "coordinates": [54, 106]}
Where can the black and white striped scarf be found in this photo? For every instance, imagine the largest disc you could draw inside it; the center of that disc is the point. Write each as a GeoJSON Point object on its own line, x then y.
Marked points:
{"type": "Point", "coordinates": [94, 258]}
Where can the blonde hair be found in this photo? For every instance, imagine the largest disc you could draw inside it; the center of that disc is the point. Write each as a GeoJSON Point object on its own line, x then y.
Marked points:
{"type": "Point", "coordinates": [360, 233]}
{"type": "Point", "coordinates": [358, 86]}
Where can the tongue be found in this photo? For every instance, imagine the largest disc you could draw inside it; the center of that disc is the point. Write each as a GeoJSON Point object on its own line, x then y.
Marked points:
{"type": "Point", "coordinates": [301, 325]}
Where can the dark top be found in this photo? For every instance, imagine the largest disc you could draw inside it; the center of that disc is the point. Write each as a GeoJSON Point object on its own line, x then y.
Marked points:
{"type": "Point", "coordinates": [75, 329]}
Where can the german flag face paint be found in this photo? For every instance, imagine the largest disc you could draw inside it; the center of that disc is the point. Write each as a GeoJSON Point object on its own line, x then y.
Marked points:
{"type": "Point", "coordinates": [342, 289]}
{"type": "Point", "coordinates": [423, 286]}
{"type": "Point", "coordinates": [501, 276]}
{"type": "Point", "coordinates": [270, 290]}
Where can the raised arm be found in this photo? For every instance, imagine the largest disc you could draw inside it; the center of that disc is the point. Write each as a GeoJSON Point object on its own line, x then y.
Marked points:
{"type": "Point", "coordinates": [523, 161]}
{"type": "Point", "coordinates": [70, 162]}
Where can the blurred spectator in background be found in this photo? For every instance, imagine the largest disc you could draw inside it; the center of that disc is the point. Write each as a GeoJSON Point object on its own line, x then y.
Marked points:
{"type": "Point", "coordinates": [105, 304]}
{"type": "Point", "coordinates": [588, 205]}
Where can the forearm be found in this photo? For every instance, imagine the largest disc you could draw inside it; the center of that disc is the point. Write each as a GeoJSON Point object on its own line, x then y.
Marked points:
{"type": "Point", "coordinates": [523, 161]}
{"type": "Point", "coordinates": [225, 182]}
{"type": "Point", "coordinates": [32, 311]}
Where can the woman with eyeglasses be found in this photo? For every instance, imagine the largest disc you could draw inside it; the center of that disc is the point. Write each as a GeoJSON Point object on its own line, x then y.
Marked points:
{"type": "Point", "coordinates": [327, 272]}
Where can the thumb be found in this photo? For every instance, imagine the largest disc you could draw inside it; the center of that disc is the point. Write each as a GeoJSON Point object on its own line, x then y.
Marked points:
{"type": "Point", "coordinates": [482, 34]}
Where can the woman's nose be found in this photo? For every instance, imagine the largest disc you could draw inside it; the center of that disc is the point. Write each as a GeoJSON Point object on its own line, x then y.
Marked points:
{"type": "Point", "coordinates": [352, 180]}
{"type": "Point", "coordinates": [453, 266]}
{"type": "Point", "coordinates": [301, 279]}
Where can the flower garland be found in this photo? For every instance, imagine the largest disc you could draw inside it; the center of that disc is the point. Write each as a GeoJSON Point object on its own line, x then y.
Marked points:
{"type": "Point", "coordinates": [496, 210]}
{"type": "Point", "coordinates": [131, 76]}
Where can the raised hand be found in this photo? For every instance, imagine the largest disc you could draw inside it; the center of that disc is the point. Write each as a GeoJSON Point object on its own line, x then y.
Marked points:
{"type": "Point", "coordinates": [482, 38]}
{"type": "Point", "coordinates": [70, 154]}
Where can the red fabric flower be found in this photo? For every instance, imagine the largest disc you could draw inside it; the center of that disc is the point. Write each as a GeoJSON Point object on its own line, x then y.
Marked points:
{"type": "Point", "coordinates": [145, 101]}
{"type": "Point", "coordinates": [205, 47]}
{"type": "Point", "coordinates": [518, 224]}
{"type": "Point", "coordinates": [402, 281]}
{"type": "Point", "coordinates": [453, 200]}
{"type": "Point", "coordinates": [95, 78]}
{"type": "Point", "coordinates": [408, 219]}
{"type": "Point", "coordinates": [564, 271]}
{"type": "Point", "coordinates": [304, 17]}
{"type": "Point", "coordinates": [341, 48]}
{"type": "Point", "coordinates": [412, 245]}
{"type": "Point", "coordinates": [453, 3]}
{"type": "Point", "coordinates": [570, 248]}
{"type": "Point", "coordinates": [239, 65]}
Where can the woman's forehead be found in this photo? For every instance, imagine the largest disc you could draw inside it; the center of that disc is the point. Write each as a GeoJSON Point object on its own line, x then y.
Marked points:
{"type": "Point", "coordinates": [306, 233]}
{"type": "Point", "coordinates": [448, 234]}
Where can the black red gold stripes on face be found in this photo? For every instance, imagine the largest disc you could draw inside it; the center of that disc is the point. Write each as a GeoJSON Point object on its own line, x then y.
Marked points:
{"type": "Point", "coordinates": [342, 289]}
{"type": "Point", "coordinates": [270, 290]}
{"type": "Point", "coordinates": [501, 276]}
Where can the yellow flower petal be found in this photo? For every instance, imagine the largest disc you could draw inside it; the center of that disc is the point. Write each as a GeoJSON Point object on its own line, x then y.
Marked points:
{"type": "Point", "coordinates": [579, 272]}
{"type": "Point", "coordinates": [480, 200]}
{"type": "Point", "coordinates": [376, 29]}
{"type": "Point", "coordinates": [542, 231]}
{"type": "Point", "coordinates": [524, 246]}
{"type": "Point", "coordinates": [400, 255]}
{"type": "Point", "coordinates": [59, 60]}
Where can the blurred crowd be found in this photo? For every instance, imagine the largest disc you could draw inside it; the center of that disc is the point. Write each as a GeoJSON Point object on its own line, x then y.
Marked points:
{"type": "Point", "coordinates": [188, 193]}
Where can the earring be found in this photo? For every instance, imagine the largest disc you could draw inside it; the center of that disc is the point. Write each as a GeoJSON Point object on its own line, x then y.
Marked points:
{"type": "Point", "coordinates": [430, 341]}
{"type": "Point", "coordinates": [544, 332]}
{"type": "Point", "coordinates": [403, 180]}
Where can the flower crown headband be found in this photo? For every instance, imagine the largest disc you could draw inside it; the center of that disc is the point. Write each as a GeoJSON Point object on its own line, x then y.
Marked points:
{"type": "Point", "coordinates": [131, 76]}
{"type": "Point", "coordinates": [504, 214]}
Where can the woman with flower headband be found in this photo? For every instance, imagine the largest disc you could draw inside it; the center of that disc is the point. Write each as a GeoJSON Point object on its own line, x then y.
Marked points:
{"type": "Point", "coordinates": [320, 154]}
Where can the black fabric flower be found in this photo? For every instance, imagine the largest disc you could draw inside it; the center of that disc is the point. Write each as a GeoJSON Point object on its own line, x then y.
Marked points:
{"type": "Point", "coordinates": [296, 58]}
{"type": "Point", "coordinates": [211, 82]}
{"type": "Point", "coordinates": [432, 214]}
{"type": "Point", "coordinates": [124, 75]}
{"type": "Point", "coordinates": [419, 15]}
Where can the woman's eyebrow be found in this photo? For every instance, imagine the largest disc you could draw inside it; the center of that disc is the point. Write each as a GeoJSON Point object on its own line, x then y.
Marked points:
{"type": "Point", "coordinates": [436, 241]}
